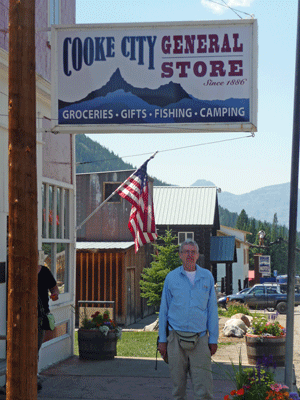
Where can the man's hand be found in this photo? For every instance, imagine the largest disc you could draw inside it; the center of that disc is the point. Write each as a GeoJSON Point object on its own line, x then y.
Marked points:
{"type": "Point", "coordinates": [213, 347]}
{"type": "Point", "coordinates": [162, 348]}
{"type": "Point", "coordinates": [54, 296]}
{"type": "Point", "coordinates": [54, 293]}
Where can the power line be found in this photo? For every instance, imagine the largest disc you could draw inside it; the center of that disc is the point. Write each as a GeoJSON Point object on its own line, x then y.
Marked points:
{"type": "Point", "coordinates": [233, 9]}
{"type": "Point", "coordinates": [171, 149]}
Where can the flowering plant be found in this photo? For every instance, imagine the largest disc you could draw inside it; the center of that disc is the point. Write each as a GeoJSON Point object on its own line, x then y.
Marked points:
{"type": "Point", "coordinates": [258, 383]}
{"type": "Point", "coordinates": [101, 322]}
{"type": "Point", "coordinates": [262, 327]}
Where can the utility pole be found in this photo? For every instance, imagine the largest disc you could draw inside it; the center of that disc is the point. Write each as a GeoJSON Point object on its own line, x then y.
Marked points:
{"type": "Point", "coordinates": [22, 240]}
{"type": "Point", "coordinates": [293, 218]}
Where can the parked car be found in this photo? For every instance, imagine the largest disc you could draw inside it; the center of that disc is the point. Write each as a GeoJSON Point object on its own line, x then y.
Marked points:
{"type": "Point", "coordinates": [233, 297]}
{"type": "Point", "coordinates": [269, 296]}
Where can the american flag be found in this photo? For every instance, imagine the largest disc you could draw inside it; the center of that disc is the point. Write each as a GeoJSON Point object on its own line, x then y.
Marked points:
{"type": "Point", "coordinates": [141, 221]}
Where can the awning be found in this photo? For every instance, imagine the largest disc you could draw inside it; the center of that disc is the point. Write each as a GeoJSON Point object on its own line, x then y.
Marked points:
{"type": "Point", "coordinates": [103, 245]}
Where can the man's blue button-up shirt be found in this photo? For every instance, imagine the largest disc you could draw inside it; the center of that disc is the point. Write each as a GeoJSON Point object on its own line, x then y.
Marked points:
{"type": "Point", "coordinates": [187, 307]}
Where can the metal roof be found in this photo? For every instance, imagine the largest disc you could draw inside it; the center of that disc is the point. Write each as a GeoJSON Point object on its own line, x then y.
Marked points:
{"type": "Point", "coordinates": [175, 205]}
{"type": "Point", "coordinates": [103, 245]}
{"type": "Point", "coordinates": [222, 249]}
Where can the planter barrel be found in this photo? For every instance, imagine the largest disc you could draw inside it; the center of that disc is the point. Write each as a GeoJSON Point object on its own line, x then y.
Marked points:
{"type": "Point", "coordinates": [93, 345]}
{"type": "Point", "coordinates": [259, 347]}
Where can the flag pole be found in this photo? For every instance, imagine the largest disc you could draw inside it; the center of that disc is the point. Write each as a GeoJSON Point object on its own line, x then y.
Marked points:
{"type": "Point", "coordinates": [110, 196]}
{"type": "Point", "coordinates": [293, 219]}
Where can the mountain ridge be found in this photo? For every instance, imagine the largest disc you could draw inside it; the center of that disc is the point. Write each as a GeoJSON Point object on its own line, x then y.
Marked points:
{"type": "Point", "coordinates": [162, 96]}
{"type": "Point", "coordinates": [261, 203]}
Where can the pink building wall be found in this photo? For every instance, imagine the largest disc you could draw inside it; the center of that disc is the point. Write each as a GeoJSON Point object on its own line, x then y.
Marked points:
{"type": "Point", "coordinates": [57, 149]}
{"type": "Point", "coordinates": [43, 47]}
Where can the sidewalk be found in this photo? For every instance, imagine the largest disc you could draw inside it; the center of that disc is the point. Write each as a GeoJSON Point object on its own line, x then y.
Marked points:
{"type": "Point", "coordinates": [121, 378]}
{"type": "Point", "coordinates": [131, 378]}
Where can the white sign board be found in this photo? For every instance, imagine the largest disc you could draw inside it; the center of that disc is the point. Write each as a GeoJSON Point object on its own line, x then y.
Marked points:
{"type": "Point", "coordinates": [160, 77]}
{"type": "Point", "coordinates": [265, 265]}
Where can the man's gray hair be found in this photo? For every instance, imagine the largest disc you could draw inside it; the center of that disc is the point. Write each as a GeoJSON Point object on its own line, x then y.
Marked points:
{"type": "Point", "coordinates": [188, 242]}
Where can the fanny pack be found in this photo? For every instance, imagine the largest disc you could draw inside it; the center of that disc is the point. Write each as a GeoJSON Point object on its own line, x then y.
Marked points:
{"type": "Point", "coordinates": [187, 340]}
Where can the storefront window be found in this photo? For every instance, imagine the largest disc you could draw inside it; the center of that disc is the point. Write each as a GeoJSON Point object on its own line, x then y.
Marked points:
{"type": "Point", "coordinates": [56, 232]}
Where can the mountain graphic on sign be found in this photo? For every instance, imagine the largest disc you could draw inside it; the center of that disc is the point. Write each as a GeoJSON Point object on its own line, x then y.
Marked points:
{"type": "Point", "coordinates": [170, 93]}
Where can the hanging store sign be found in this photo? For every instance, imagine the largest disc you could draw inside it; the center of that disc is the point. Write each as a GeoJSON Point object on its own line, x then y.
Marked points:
{"type": "Point", "coordinates": [265, 265]}
{"type": "Point", "coordinates": [160, 77]}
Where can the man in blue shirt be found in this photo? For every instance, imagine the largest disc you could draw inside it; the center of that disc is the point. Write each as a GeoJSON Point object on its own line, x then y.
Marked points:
{"type": "Point", "coordinates": [189, 310]}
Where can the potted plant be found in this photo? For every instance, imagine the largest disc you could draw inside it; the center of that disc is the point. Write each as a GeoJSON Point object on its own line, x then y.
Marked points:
{"type": "Point", "coordinates": [265, 338]}
{"type": "Point", "coordinates": [257, 383]}
{"type": "Point", "coordinates": [97, 337]}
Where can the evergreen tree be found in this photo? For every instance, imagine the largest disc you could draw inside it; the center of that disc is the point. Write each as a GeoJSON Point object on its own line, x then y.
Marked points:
{"type": "Point", "coordinates": [274, 231]}
{"type": "Point", "coordinates": [242, 221]}
{"type": "Point", "coordinates": [166, 258]}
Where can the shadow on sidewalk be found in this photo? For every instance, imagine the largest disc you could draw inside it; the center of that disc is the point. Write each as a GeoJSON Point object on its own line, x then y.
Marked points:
{"type": "Point", "coordinates": [121, 378]}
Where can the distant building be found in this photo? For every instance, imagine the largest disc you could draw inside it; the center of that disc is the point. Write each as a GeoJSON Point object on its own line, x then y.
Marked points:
{"type": "Point", "coordinates": [191, 213]}
{"type": "Point", "coordinates": [107, 268]}
{"type": "Point", "coordinates": [240, 268]}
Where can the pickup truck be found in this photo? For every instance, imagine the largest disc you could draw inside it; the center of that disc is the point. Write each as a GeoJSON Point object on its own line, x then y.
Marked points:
{"type": "Point", "coordinates": [263, 296]}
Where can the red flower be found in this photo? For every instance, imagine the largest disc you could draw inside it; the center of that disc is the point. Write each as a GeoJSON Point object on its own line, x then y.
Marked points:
{"type": "Point", "coordinates": [226, 397]}
{"type": "Point", "coordinates": [240, 392]}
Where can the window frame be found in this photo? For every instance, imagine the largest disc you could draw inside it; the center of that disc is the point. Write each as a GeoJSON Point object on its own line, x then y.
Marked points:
{"type": "Point", "coordinates": [54, 18]}
{"type": "Point", "coordinates": [185, 236]}
{"type": "Point", "coordinates": [54, 12]}
{"type": "Point", "coordinates": [104, 194]}
{"type": "Point", "coordinates": [50, 237]}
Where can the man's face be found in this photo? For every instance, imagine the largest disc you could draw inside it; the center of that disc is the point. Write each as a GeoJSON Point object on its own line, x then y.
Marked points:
{"type": "Point", "coordinates": [189, 256]}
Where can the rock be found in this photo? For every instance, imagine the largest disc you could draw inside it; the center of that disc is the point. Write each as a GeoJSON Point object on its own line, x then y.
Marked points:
{"type": "Point", "coordinates": [152, 327]}
{"type": "Point", "coordinates": [233, 331]}
{"type": "Point", "coordinates": [235, 327]}
{"type": "Point", "coordinates": [245, 318]}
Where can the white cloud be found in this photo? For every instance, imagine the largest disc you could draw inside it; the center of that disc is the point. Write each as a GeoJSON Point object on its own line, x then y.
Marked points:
{"type": "Point", "coordinates": [220, 9]}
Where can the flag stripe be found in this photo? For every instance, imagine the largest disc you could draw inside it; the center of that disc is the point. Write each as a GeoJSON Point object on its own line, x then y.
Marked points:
{"type": "Point", "coordinates": [141, 221]}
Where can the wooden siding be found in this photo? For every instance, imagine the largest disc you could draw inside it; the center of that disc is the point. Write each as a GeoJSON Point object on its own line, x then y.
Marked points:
{"type": "Point", "coordinates": [114, 276]}
{"type": "Point", "coordinates": [201, 236]}
{"type": "Point", "coordinates": [100, 277]}
{"type": "Point", "coordinates": [110, 223]}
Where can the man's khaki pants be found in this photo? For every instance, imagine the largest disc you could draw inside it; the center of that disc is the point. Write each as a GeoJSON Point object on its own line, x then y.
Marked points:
{"type": "Point", "coordinates": [197, 362]}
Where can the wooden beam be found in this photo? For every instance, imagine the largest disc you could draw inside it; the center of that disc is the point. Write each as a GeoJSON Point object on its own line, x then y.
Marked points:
{"type": "Point", "coordinates": [93, 277]}
{"type": "Point", "coordinates": [117, 285]}
{"type": "Point", "coordinates": [105, 277]}
{"type": "Point", "coordinates": [110, 277]}
{"type": "Point", "coordinates": [22, 238]}
{"type": "Point", "coordinates": [99, 273]}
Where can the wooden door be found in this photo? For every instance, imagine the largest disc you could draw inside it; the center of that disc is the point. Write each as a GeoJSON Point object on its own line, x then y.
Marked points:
{"type": "Point", "coordinates": [130, 319]}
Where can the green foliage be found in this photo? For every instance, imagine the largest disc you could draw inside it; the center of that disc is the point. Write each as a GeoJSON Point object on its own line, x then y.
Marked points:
{"type": "Point", "coordinates": [278, 250]}
{"type": "Point", "coordinates": [227, 218]}
{"type": "Point", "coordinates": [262, 327]}
{"type": "Point", "coordinates": [234, 308]}
{"type": "Point", "coordinates": [133, 344]}
{"type": "Point", "coordinates": [165, 259]}
{"type": "Point", "coordinates": [242, 221]}
{"type": "Point", "coordinates": [137, 344]}
{"type": "Point", "coordinates": [256, 382]}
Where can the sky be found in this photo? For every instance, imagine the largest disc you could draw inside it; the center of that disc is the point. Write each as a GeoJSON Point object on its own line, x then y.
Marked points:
{"type": "Point", "coordinates": [233, 161]}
